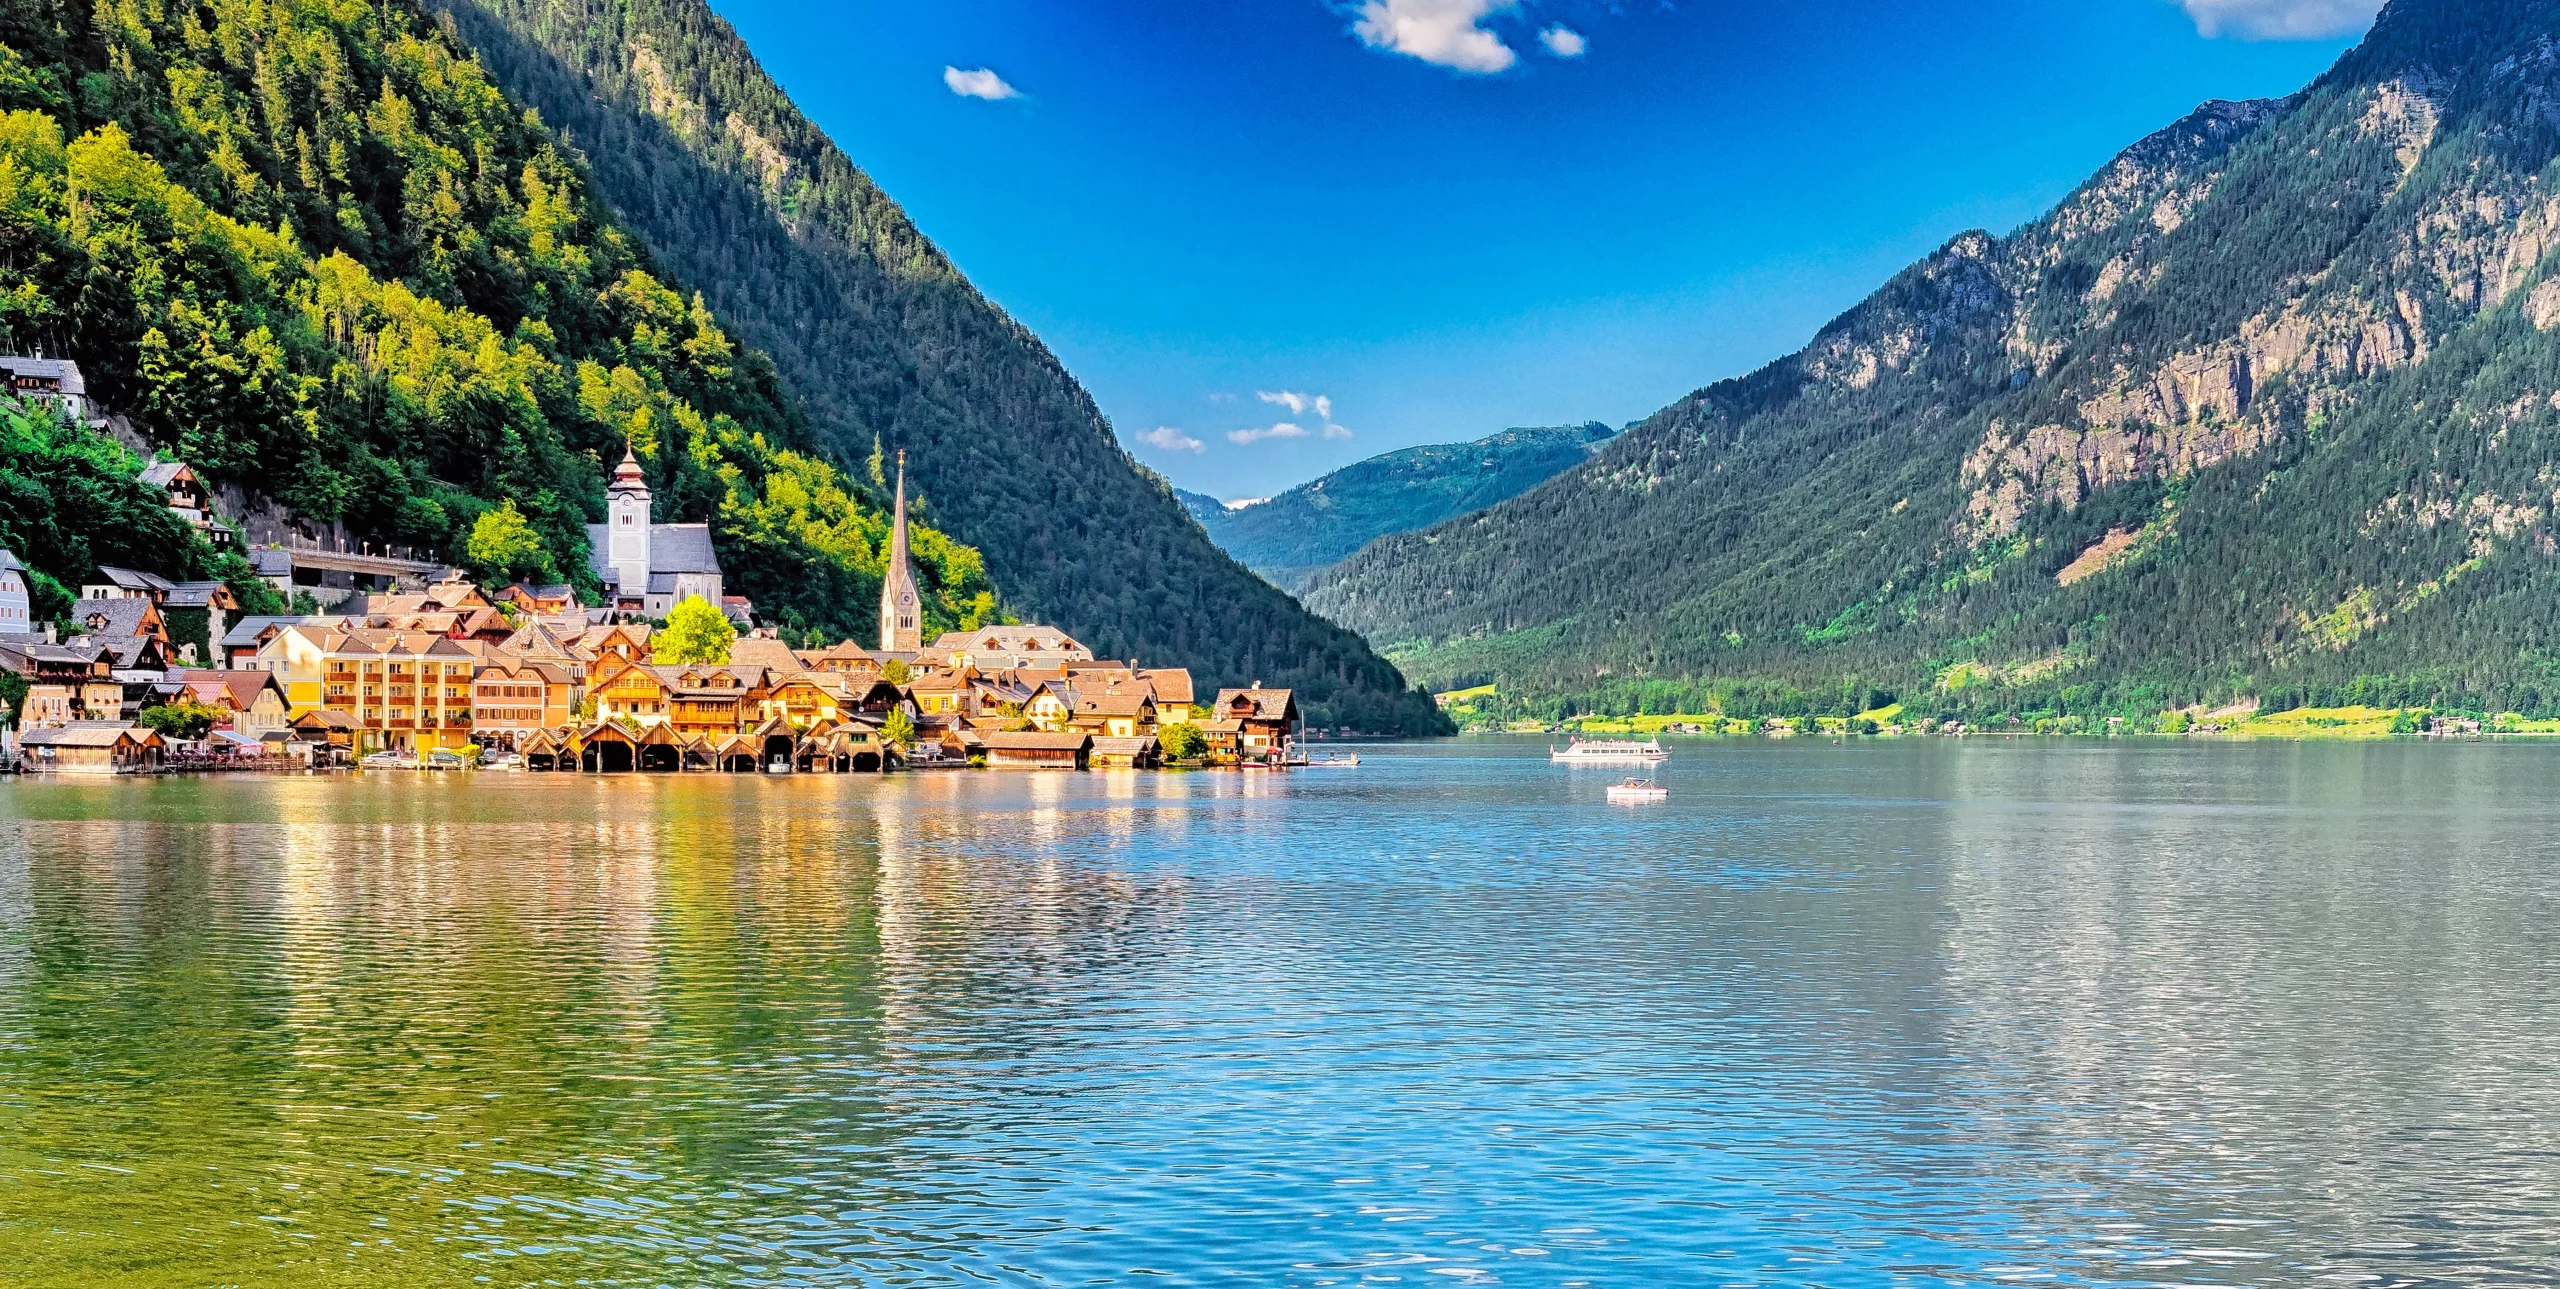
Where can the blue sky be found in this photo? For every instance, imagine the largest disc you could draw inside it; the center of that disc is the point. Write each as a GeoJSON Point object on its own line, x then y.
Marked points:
{"type": "Point", "coordinates": [1447, 217]}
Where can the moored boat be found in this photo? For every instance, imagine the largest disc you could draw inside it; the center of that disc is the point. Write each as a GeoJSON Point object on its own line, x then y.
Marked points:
{"type": "Point", "coordinates": [1638, 792]}
{"type": "Point", "coordinates": [1609, 752]}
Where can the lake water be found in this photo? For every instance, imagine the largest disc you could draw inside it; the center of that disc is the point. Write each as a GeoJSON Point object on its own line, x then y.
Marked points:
{"type": "Point", "coordinates": [1915, 1012]}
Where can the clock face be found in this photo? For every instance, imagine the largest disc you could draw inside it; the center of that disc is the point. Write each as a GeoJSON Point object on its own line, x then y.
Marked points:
{"type": "Point", "coordinates": [906, 597]}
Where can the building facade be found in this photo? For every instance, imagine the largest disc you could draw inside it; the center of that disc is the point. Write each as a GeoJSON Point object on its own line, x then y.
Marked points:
{"type": "Point", "coordinates": [648, 568]}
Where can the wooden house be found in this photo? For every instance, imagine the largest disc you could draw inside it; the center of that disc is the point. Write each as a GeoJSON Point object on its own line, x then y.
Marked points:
{"type": "Point", "coordinates": [1266, 719]}
{"type": "Point", "coordinates": [91, 747]}
{"type": "Point", "coordinates": [1037, 749]}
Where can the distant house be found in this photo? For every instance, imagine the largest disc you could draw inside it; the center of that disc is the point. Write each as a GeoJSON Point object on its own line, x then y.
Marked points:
{"type": "Point", "coordinates": [512, 700]}
{"type": "Point", "coordinates": [254, 699]}
{"type": "Point", "coordinates": [1011, 648]}
{"type": "Point", "coordinates": [91, 747]}
{"type": "Point", "coordinates": [1037, 749]}
{"type": "Point", "coordinates": [1266, 719]}
{"type": "Point", "coordinates": [50, 380]}
{"type": "Point", "coordinates": [558, 597]}
{"type": "Point", "coordinates": [189, 499]}
{"type": "Point", "coordinates": [648, 568]}
{"type": "Point", "coordinates": [17, 606]}
{"type": "Point", "coordinates": [1140, 753]}
{"type": "Point", "coordinates": [127, 584]}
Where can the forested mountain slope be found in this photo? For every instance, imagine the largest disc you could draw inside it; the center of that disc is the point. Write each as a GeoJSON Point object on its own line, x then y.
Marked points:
{"type": "Point", "coordinates": [2269, 408]}
{"type": "Point", "coordinates": [1295, 535]}
{"type": "Point", "coordinates": [886, 342]}
{"type": "Point", "coordinates": [315, 252]}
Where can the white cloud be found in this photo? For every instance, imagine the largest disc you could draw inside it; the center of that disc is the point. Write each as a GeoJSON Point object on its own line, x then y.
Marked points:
{"type": "Point", "coordinates": [1283, 430]}
{"type": "Point", "coordinates": [2281, 19]}
{"type": "Point", "coordinates": [1446, 33]}
{"type": "Point", "coordinates": [1563, 42]}
{"type": "Point", "coordinates": [1170, 439]}
{"type": "Point", "coordinates": [1332, 431]}
{"type": "Point", "coordinates": [1244, 503]}
{"type": "Point", "coordinates": [979, 82]}
{"type": "Point", "coordinates": [1298, 403]}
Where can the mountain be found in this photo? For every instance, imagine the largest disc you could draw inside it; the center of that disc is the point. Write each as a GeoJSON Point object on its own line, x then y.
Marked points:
{"type": "Point", "coordinates": [887, 345]}
{"type": "Point", "coordinates": [1200, 505]}
{"type": "Point", "coordinates": [1294, 535]}
{"type": "Point", "coordinates": [2269, 408]}
{"type": "Point", "coordinates": [316, 253]}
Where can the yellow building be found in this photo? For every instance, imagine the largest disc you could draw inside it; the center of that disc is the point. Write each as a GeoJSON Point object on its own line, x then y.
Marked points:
{"type": "Point", "coordinates": [402, 691]}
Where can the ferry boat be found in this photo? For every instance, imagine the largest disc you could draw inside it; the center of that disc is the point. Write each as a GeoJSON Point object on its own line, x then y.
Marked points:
{"type": "Point", "coordinates": [1638, 792]}
{"type": "Point", "coordinates": [1609, 752]}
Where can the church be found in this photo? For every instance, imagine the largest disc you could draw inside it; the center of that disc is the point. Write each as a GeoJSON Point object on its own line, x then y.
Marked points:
{"type": "Point", "coordinates": [648, 568]}
{"type": "Point", "coordinates": [901, 614]}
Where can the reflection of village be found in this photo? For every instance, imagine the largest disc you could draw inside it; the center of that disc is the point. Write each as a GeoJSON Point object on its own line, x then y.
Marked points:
{"type": "Point", "coordinates": [450, 674]}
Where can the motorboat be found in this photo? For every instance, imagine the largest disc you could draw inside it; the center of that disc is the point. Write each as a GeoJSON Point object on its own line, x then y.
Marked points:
{"type": "Point", "coordinates": [1638, 792]}
{"type": "Point", "coordinates": [1609, 752]}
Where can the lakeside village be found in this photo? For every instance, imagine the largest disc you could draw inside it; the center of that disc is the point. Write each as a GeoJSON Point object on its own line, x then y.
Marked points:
{"type": "Point", "coordinates": [436, 672]}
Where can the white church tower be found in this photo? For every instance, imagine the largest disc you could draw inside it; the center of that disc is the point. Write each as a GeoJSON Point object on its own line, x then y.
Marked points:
{"type": "Point", "coordinates": [901, 626]}
{"type": "Point", "coordinates": [626, 505]}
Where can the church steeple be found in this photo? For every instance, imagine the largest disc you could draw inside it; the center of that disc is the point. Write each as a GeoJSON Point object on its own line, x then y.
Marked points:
{"type": "Point", "coordinates": [626, 505]}
{"type": "Point", "coordinates": [901, 626]}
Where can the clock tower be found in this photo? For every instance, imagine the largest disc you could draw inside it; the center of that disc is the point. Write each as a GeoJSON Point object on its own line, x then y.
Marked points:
{"type": "Point", "coordinates": [901, 615]}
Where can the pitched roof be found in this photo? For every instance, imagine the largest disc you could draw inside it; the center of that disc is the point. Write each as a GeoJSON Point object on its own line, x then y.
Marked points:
{"type": "Point", "coordinates": [244, 634]}
{"type": "Point", "coordinates": [8, 560]}
{"type": "Point", "coordinates": [1124, 746]}
{"type": "Point", "coordinates": [89, 734]}
{"type": "Point", "coordinates": [673, 548]}
{"type": "Point", "coordinates": [272, 561]}
{"type": "Point", "coordinates": [765, 652]}
{"type": "Point", "coordinates": [1172, 684]}
{"type": "Point", "coordinates": [134, 580]}
{"type": "Point", "coordinates": [55, 369]}
{"type": "Point", "coordinates": [239, 688]}
{"type": "Point", "coordinates": [1124, 703]}
{"type": "Point", "coordinates": [1268, 704]}
{"type": "Point", "coordinates": [160, 474]}
{"type": "Point", "coordinates": [198, 595]}
{"type": "Point", "coordinates": [1035, 741]}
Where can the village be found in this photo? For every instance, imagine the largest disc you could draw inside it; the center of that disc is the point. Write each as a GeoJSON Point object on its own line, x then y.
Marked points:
{"type": "Point", "coordinates": [414, 666]}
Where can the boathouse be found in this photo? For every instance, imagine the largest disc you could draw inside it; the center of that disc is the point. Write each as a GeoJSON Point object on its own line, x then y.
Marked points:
{"type": "Point", "coordinates": [1038, 749]}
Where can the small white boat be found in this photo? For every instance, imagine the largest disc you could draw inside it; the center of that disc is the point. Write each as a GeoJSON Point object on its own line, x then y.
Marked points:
{"type": "Point", "coordinates": [1638, 792]}
{"type": "Point", "coordinates": [388, 761]}
{"type": "Point", "coordinates": [1331, 762]}
{"type": "Point", "coordinates": [1609, 752]}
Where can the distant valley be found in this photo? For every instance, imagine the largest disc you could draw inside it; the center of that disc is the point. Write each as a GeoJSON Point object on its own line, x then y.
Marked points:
{"type": "Point", "coordinates": [1296, 535]}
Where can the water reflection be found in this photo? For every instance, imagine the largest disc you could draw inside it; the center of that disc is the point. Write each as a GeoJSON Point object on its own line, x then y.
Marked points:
{"type": "Point", "coordinates": [1841, 1015]}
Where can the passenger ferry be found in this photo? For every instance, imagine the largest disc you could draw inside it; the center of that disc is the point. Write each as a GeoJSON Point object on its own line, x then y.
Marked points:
{"type": "Point", "coordinates": [1609, 752]}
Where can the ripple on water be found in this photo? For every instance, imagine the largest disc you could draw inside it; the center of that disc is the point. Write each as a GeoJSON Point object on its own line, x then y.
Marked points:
{"type": "Point", "coordinates": [1851, 1015]}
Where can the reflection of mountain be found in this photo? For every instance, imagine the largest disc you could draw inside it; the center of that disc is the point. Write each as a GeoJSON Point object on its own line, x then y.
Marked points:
{"type": "Point", "coordinates": [2212, 985]}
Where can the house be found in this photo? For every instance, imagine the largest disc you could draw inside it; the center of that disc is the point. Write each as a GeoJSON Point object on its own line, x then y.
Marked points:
{"type": "Point", "coordinates": [768, 652]}
{"type": "Point", "coordinates": [65, 683]}
{"type": "Point", "coordinates": [512, 699]}
{"type": "Point", "coordinates": [17, 604]}
{"type": "Point", "coordinates": [91, 747]}
{"type": "Point", "coordinates": [628, 693]}
{"type": "Point", "coordinates": [196, 614]}
{"type": "Point", "coordinates": [401, 691]}
{"type": "Point", "coordinates": [537, 641]}
{"type": "Point", "coordinates": [704, 700]}
{"type": "Point", "coordinates": [1119, 713]}
{"type": "Point", "coordinates": [559, 597]}
{"type": "Point", "coordinates": [189, 499]}
{"type": "Point", "coordinates": [130, 627]}
{"type": "Point", "coordinates": [627, 641]}
{"type": "Point", "coordinates": [847, 659]}
{"type": "Point", "coordinates": [127, 584]}
{"type": "Point", "coordinates": [1037, 749]}
{"type": "Point", "coordinates": [1139, 753]}
{"type": "Point", "coordinates": [52, 380]}
{"type": "Point", "coordinates": [1011, 648]}
{"type": "Point", "coordinates": [1172, 687]}
{"type": "Point", "coordinates": [1266, 719]}
{"type": "Point", "coordinates": [806, 700]}
{"type": "Point", "coordinates": [1050, 704]}
{"type": "Point", "coordinates": [648, 568]}
{"type": "Point", "coordinates": [938, 692]}
{"type": "Point", "coordinates": [254, 699]}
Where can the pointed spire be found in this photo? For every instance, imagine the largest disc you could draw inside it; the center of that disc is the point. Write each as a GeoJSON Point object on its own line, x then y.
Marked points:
{"type": "Point", "coordinates": [628, 476]}
{"type": "Point", "coordinates": [901, 620]}
{"type": "Point", "coordinates": [898, 525]}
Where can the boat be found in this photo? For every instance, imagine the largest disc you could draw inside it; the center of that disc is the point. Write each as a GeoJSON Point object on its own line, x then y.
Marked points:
{"type": "Point", "coordinates": [1638, 792]}
{"type": "Point", "coordinates": [1331, 762]}
{"type": "Point", "coordinates": [388, 761]}
{"type": "Point", "coordinates": [1609, 752]}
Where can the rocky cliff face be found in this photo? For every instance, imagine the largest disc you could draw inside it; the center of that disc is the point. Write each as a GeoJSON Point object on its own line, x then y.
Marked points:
{"type": "Point", "coordinates": [2218, 385]}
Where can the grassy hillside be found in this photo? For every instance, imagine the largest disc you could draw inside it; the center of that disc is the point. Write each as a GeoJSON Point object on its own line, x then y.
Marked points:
{"type": "Point", "coordinates": [1293, 536]}
{"type": "Point", "coordinates": [886, 342]}
{"type": "Point", "coordinates": [2266, 409]}
{"type": "Point", "coordinates": [317, 253]}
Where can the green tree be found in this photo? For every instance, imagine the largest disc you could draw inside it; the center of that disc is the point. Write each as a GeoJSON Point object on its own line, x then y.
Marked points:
{"type": "Point", "coordinates": [13, 696]}
{"type": "Point", "coordinates": [896, 671]}
{"type": "Point", "coordinates": [899, 730]}
{"type": "Point", "coordinates": [695, 633]}
{"type": "Point", "coordinates": [504, 547]}
{"type": "Point", "coordinates": [183, 719]}
{"type": "Point", "coordinates": [1182, 741]}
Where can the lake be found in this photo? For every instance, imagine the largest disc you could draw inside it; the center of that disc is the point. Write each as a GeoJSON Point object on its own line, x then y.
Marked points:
{"type": "Point", "coordinates": [1882, 1013]}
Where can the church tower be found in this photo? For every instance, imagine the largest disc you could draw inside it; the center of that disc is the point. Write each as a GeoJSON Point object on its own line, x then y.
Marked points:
{"type": "Point", "coordinates": [626, 505]}
{"type": "Point", "coordinates": [901, 627]}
